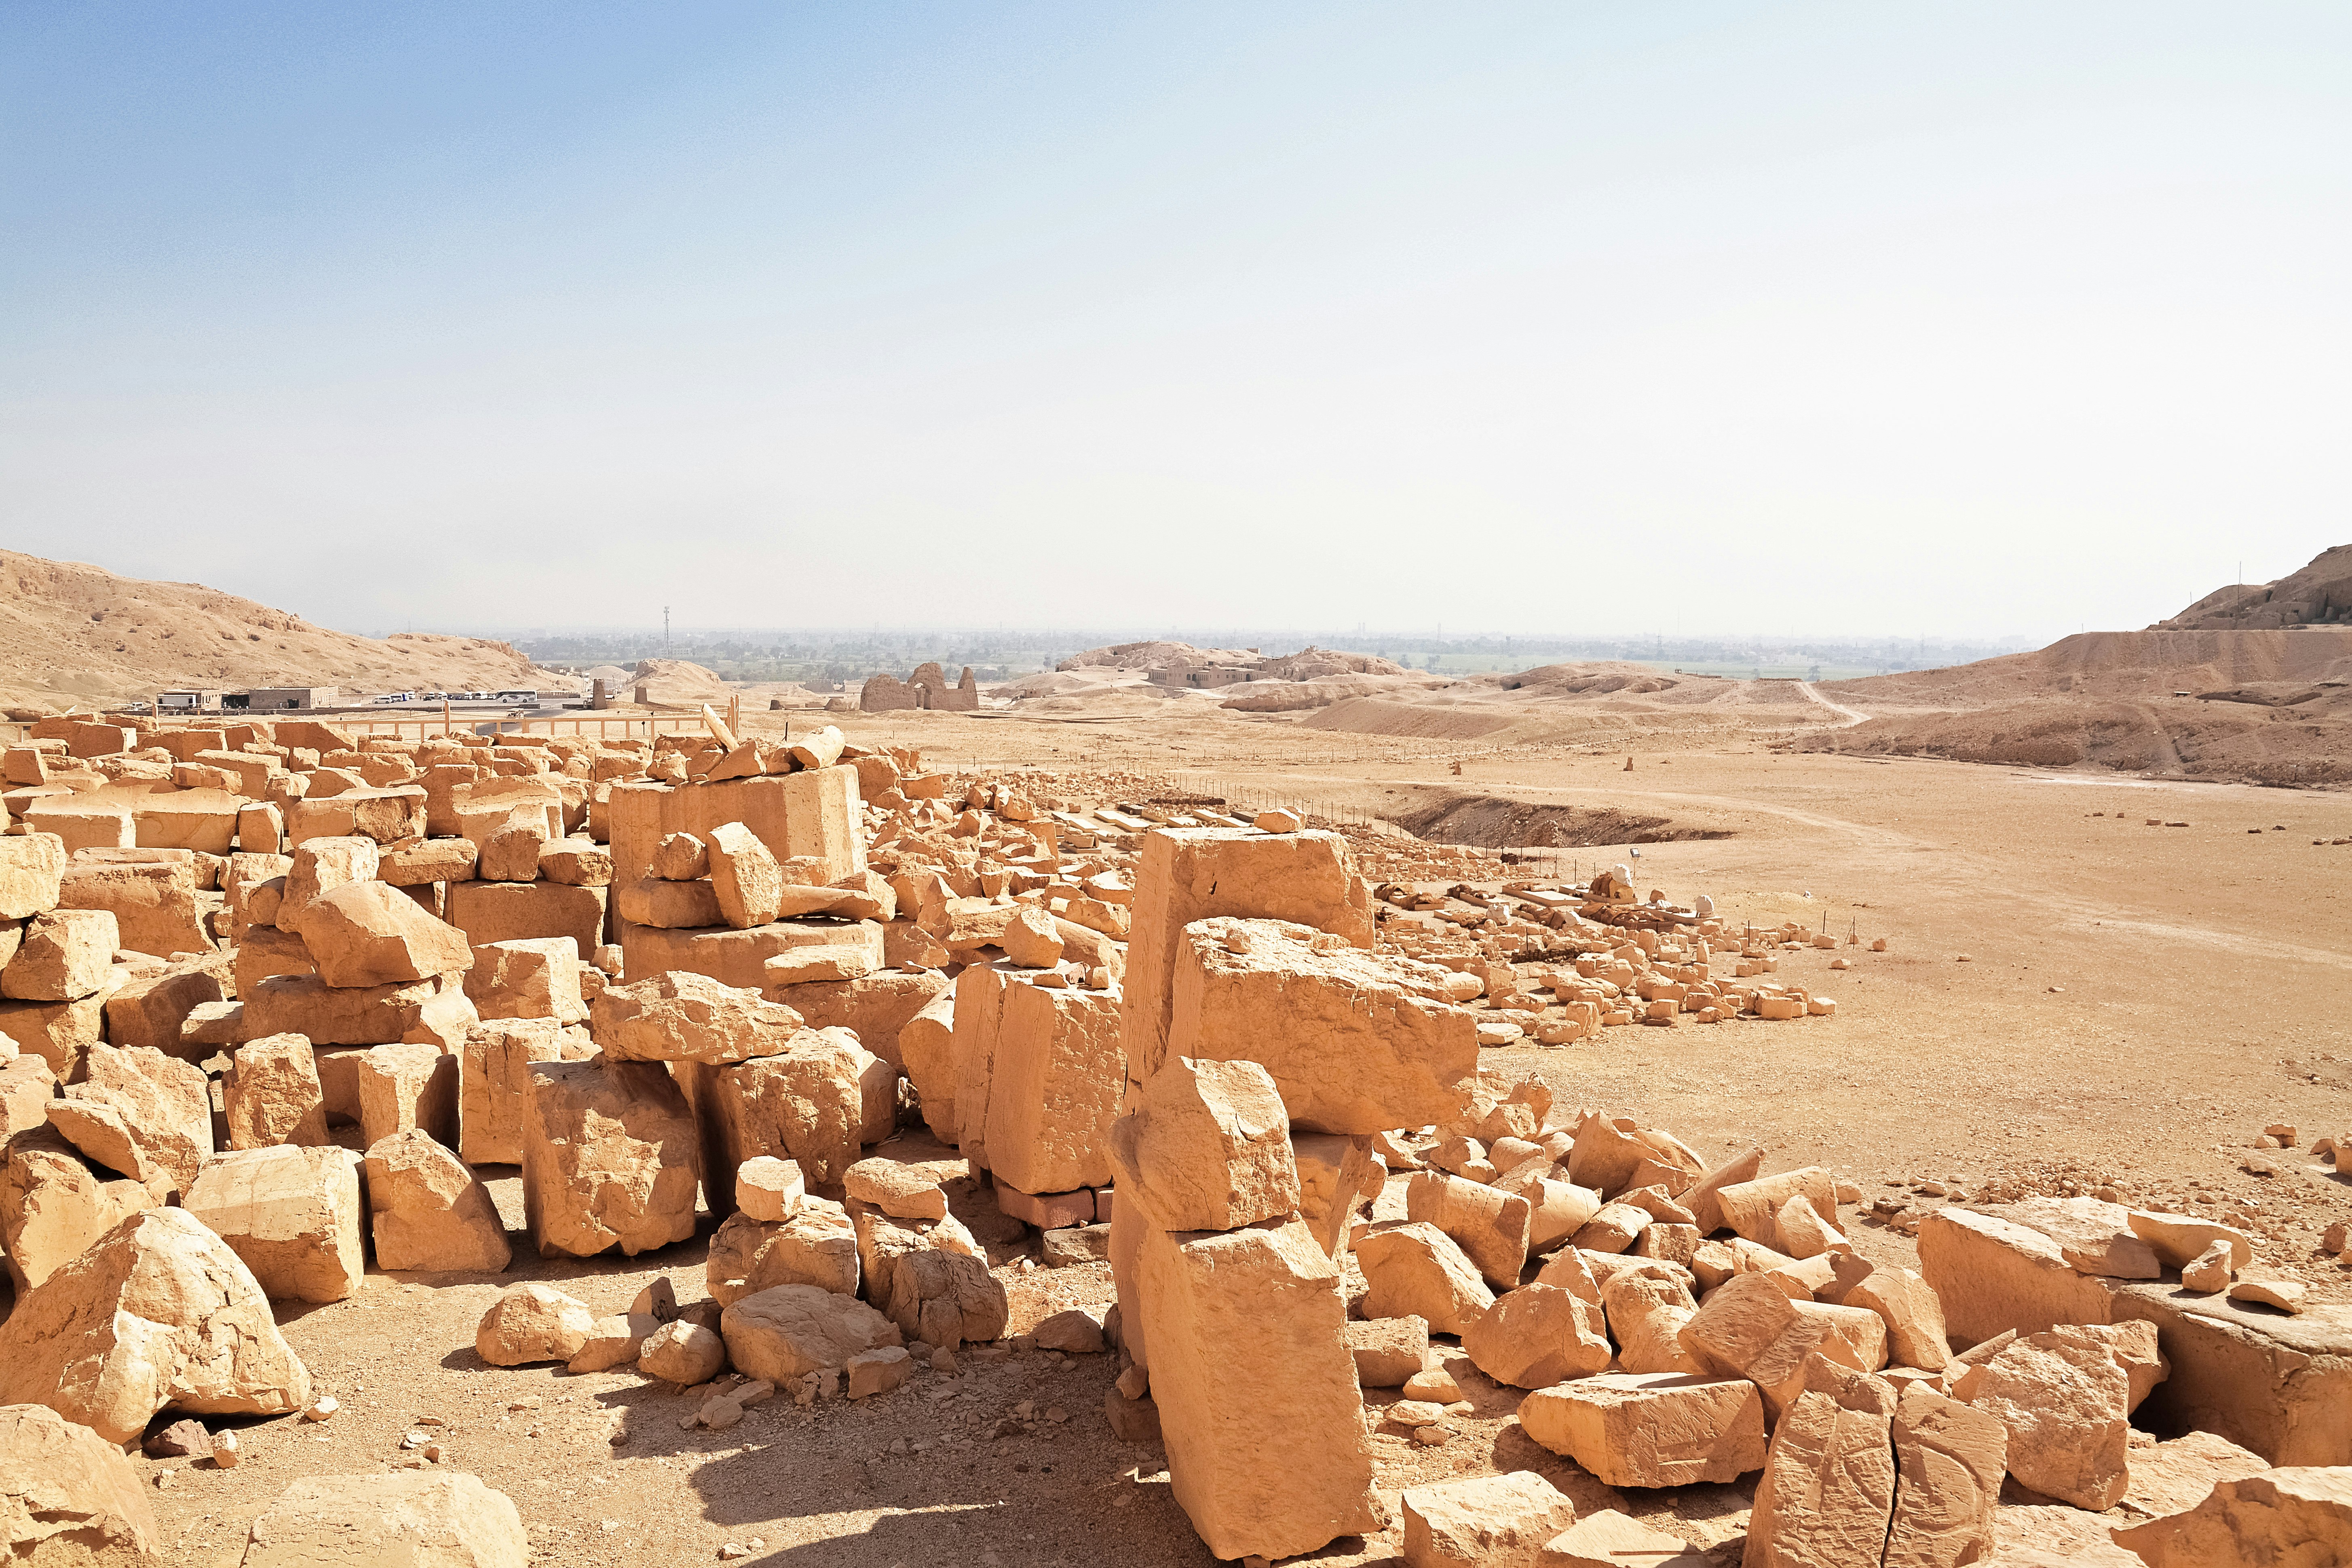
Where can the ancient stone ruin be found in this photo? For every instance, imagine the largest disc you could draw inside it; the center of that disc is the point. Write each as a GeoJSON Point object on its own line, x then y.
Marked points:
{"type": "Point", "coordinates": [276, 997]}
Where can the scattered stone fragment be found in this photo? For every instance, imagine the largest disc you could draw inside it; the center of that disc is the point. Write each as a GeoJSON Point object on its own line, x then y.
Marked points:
{"type": "Point", "coordinates": [683, 1353]}
{"type": "Point", "coordinates": [408, 1517]}
{"type": "Point", "coordinates": [1483, 1522]}
{"type": "Point", "coordinates": [69, 1497]}
{"type": "Point", "coordinates": [1656, 1429]}
{"type": "Point", "coordinates": [531, 1322]}
{"type": "Point", "coordinates": [1607, 1539]}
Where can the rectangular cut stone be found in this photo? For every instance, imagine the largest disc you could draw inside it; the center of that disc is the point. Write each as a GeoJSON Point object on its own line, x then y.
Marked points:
{"type": "Point", "coordinates": [1994, 1274]}
{"type": "Point", "coordinates": [1190, 874]}
{"type": "Point", "coordinates": [813, 813]}
{"type": "Point", "coordinates": [979, 1010]}
{"type": "Point", "coordinates": [494, 1082]}
{"type": "Point", "coordinates": [536, 977]}
{"type": "Point", "coordinates": [1828, 1491]}
{"type": "Point", "coordinates": [1055, 1087]}
{"type": "Point", "coordinates": [1287, 1468]}
{"type": "Point", "coordinates": [328, 1015]}
{"type": "Point", "coordinates": [1047, 1211]}
{"type": "Point", "coordinates": [1652, 1429]}
{"type": "Point", "coordinates": [874, 1007]}
{"type": "Point", "coordinates": [740, 958]}
{"type": "Point", "coordinates": [292, 1215]}
{"type": "Point", "coordinates": [513, 912]}
{"type": "Point", "coordinates": [31, 864]}
{"type": "Point", "coordinates": [1350, 1047]}
{"type": "Point", "coordinates": [2279, 1386]}
{"type": "Point", "coordinates": [152, 898]}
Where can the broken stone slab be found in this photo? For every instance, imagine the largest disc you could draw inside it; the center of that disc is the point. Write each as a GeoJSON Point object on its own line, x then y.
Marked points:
{"type": "Point", "coordinates": [322, 866]}
{"type": "Point", "coordinates": [878, 1371]}
{"type": "Point", "coordinates": [2092, 1236]}
{"type": "Point", "coordinates": [494, 1081]}
{"type": "Point", "coordinates": [53, 1206]}
{"type": "Point", "coordinates": [1257, 1307]}
{"type": "Point", "coordinates": [745, 875]}
{"type": "Point", "coordinates": [616, 1341]}
{"type": "Point", "coordinates": [769, 1189]}
{"type": "Point", "coordinates": [1993, 1274]}
{"type": "Point", "coordinates": [1205, 1147]}
{"type": "Point", "coordinates": [324, 1015]}
{"type": "Point", "coordinates": [152, 1009]}
{"type": "Point", "coordinates": [2278, 1385]}
{"type": "Point", "coordinates": [1490, 1522]}
{"type": "Point", "coordinates": [681, 1017]}
{"type": "Point", "coordinates": [1388, 1351]}
{"type": "Point", "coordinates": [158, 1314]}
{"type": "Point", "coordinates": [1749, 1327]}
{"type": "Point", "coordinates": [61, 955]}
{"type": "Point", "coordinates": [530, 977]}
{"type": "Point", "coordinates": [946, 1297]}
{"type": "Point", "coordinates": [1607, 1539]}
{"type": "Point", "coordinates": [609, 1158]}
{"type": "Point", "coordinates": [367, 933]}
{"type": "Point", "coordinates": [1913, 1312]}
{"type": "Point", "coordinates": [1647, 1314]}
{"type": "Point", "coordinates": [532, 1322]}
{"type": "Point", "coordinates": [2064, 1397]}
{"type": "Point", "coordinates": [1055, 1078]}
{"type": "Point", "coordinates": [2289, 1515]}
{"type": "Point", "coordinates": [808, 1106]}
{"type": "Point", "coordinates": [1416, 1270]}
{"type": "Point", "coordinates": [420, 1516]}
{"type": "Point", "coordinates": [429, 1213]}
{"type": "Point", "coordinates": [1827, 1493]}
{"type": "Point", "coordinates": [1753, 1208]}
{"type": "Point", "coordinates": [1536, 1336]}
{"type": "Point", "coordinates": [2178, 1240]}
{"type": "Point", "coordinates": [271, 1095]}
{"type": "Point", "coordinates": [291, 1214]}
{"type": "Point", "coordinates": [1337, 1176]}
{"type": "Point", "coordinates": [1073, 1332]}
{"type": "Point", "coordinates": [139, 1112]}
{"type": "Point", "coordinates": [1490, 1225]}
{"type": "Point", "coordinates": [788, 1331]}
{"type": "Point", "coordinates": [902, 1191]}
{"type": "Point", "coordinates": [816, 1245]}
{"type": "Point", "coordinates": [2172, 1477]}
{"type": "Point", "coordinates": [68, 1499]}
{"type": "Point", "coordinates": [1350, 1047]}
{"type": "Point", "coordinates": [1652, 1429]}
{"type": "Point", "coordinates": [1949, 1460]}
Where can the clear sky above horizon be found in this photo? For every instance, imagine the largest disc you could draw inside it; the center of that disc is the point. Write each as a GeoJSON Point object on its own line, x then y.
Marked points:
{"type": "Point", "coordinates": [1795, 319]}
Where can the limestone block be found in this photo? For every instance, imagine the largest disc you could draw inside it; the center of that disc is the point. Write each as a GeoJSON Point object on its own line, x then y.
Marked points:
{"type": "Point", "coordinates": [152, 1009]}
{"type": "Point", "coordinates": [1614, 1228]}
{"type": "Point", "coordinates": [405, 1085]}
{"type": "Point", "coordinates": [2283, 1516]}
{"type": "Point", "coordinates": [159, 1314]}
{"type": "Point", "coordinates": [2094, 1238]}
{"type": "Point", "coordinates": [613, 1341]}
{"type": "Point", "coordinates": [1753, 1207]}
{"type": "Point", "coordinates": [807, 1106]}
{"type": "Point", "coordinates": [901, 1190]}
{"type": "Point", "coordinates": [68, 1499]}
{"type": "Point", "coordinates": [1258, 1309]}
{"type": "Point", "coordinates": [26, 1086]}
{"type": "Point", "coordinates": [1389, 1350]}
{"type": "Point", "coordinates": [979, 1011]}
{"type": "Point", "coordinates": [367, 933]}
{"type": "Point", "coordinates": [679, 858]}
{"type": "Point", "coordinates": [1605, 1153]}
{"type": "Point", "coordinates": [152, 894]}
{"type": "Point", "coordinates": [1949, 1460]}
{"type": "Point", "coordinates": [683, 1353]}
{"type": "Point", "coordinates": [609, 1158]}
{"type": "Point", "coordinates": [790, 1331]}
{"type": "Point", "coordinates": [307, 1006]}
{"type": "Point", "coordinates": [688, 1017]}
{"type": "Point", "coordinates": [509, 911]}
{"type": "Point", "coordinates": [1747, 1327]}
{"type": "Point", "coordinates": [926, 1052]}
{"type": "Point", "coordinates": [740, 957]}
{"type": "Point", "coordinates": [510, 851]}
{"type": "Point", "coordinates": [668, 906]}
{"type": "Point", "coordinates": [814, 1245]}
{"type": "Point", "coordinates": [31, 866]}
{"type": "Point", "coordinates": [320, 866]}
{"type": "Point", "coordinates": [2175, 1476]}
{"type": "Point", "coordinates": [1206, 1147]}
{"type": "Point", "coordinates": [263, 950]}
{"type": "Point", "coordinates": [271, 1095]}
{"type": "Point", "coordinates": [875, 1007]}
{"type": "Point", "coordinates": [1648, 1315]}
{"type": "Point", "coordinates": [1193, 874]}
{"type": "Point", "coordinates": [429, 861]}
{"type": "Point", "coordinates": [1607, 1539]}
{"type": "Point", "coordinates": [426, 1517]}
{"type": "Point", "coordinates": [770, 1189]}
{"type": "Point", "coordinates": [61, 1033]}
{"type": "Point", "coordinates": [532, 1322]}
{"type": "Point", "coordinates": [1058, 1075]}
{"type": "Point", "coordinates": [141, 1112]}
{"type": "Point", "coordinates": [1415, 1270]}
{"type": "Point", "coordinates": [379, 815]}
{"type": "Point", "coordinates": [1802, 1232]}
{"type": "Point", "coordinates": [576, 863]}
{"type": "Point", "coordinates": [2280, 1386]}
{"type": "Point", "coordinates": [946, 1297]}
{"type": "Point", "coordinates": [1337, 1176]}
{"type": "Point", "coordinates": [53, 1206]}
{"type": "Point", "coordinates": [1828, 1490]}
{"type": "Point", "coordinates": [1652, 1429]}
{"type": "Point", "coordinates": [1914, 1314]}
{"type": "Point", "coordinates": [1351, 1048]}
{"type": "Point", "coordinates": [537, 977]}
{"type": "Point", "coordinates": [2178, 1238]}
{"type": "Point", "coordinates": [1538, 1335]}
{"type": "Point", "coordinates": [745, 875]}
{"type": "Point", "coordinates": [1490, 1225]}
{"type": "Point", "coordinates": [2064, 1397]}
{"type": "Point", "coordinates": [1483, 1522]}
{"type": "Point", "coordinates": [63, 955]}
{"type": "Point", "coordinates": [291, 1214]}
{"type": "Point", "coordinates": [494, 1082]}
{"type": "Point", "coordinates": [1993, 1274]}
{"type": "Point", "coordinates": [430, 1213]}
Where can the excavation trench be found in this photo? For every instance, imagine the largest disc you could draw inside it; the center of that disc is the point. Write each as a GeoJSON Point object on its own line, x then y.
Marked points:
{"type": "Point", "coordinates": [1492, 822]}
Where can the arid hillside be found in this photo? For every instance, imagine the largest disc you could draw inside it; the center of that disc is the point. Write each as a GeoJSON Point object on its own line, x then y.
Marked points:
{"type": "Point", "coordinates": [74, 633]}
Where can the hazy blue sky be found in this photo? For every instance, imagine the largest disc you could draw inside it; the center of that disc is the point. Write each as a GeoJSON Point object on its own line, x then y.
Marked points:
{"type": "Point", "coordinates": [1860, 319]}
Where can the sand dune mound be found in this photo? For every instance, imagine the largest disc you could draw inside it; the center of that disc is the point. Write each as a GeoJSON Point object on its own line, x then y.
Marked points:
{"type": "Point", "coordinates": [677, 682]}
{"type": "Point", "coordinates": [2319, 593]}
{"type": "Point", "coordinates": [75, 633]}
{"type": "Point", "coordinates": [2218, 741]}
{"type": "Point", "coordinates": [2116, 665]}
{"type": "Point", "coordinates": [1153, 655]}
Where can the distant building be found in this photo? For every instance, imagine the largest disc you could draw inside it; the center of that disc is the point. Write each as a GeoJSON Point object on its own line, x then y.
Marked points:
{"type": "Point", "coordinates": [277, 699]}
{"type": "Point", "coordinates": [927, 687]}
{"type": "Point", "coordinates": [189, 701]}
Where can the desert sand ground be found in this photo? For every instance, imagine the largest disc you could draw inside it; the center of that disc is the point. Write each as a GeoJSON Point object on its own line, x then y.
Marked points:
{"type": "Point", "coordinates": [2135, 1004]}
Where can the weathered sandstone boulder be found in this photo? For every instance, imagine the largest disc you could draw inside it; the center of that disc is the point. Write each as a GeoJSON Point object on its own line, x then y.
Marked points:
{"type": "Point", "coordinates": [292, 1214]}
{"type": "Point", "coordinates": [609, 1158]}
{"type": "Point", "coordinates": [430, 1213]}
